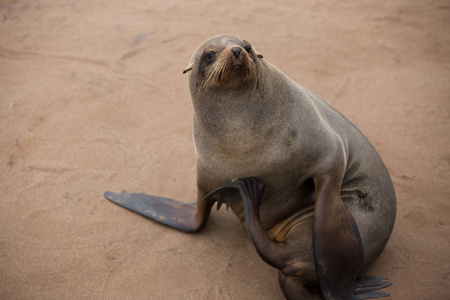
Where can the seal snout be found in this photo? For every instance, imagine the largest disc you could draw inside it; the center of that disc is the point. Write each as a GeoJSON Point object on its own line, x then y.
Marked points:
{"type": "Point", "coordinates": [236, 51]}
{"type": "Point", "coordinates": [229, 66]}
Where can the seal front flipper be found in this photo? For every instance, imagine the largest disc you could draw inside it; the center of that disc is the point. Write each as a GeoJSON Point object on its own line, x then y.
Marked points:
{"type": "Point", "coordinates": [183, 216]}
{"type": "Point", "coordinates": [338, 249]}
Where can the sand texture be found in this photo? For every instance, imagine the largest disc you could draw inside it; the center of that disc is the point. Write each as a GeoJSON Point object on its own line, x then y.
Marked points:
{"type": "Point", "coordinates": [92, 98]}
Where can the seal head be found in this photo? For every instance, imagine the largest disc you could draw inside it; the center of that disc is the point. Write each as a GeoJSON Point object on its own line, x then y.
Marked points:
{"type": "Point", "coordinates": [224, 62]}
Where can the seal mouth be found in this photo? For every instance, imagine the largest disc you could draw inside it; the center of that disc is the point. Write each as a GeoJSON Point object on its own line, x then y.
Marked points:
{"type": "Point", "coordinates": [230, 69]}
{"type": "Point", "coordinates": [237, 65]}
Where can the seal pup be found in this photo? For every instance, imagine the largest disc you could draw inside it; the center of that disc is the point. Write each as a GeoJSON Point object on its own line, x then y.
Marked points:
{"type": "Point", "coordinates": [316, 198]}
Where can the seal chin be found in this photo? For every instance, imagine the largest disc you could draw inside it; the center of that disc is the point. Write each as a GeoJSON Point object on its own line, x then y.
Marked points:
{"type": "Point", "coordinates": [231, 68]}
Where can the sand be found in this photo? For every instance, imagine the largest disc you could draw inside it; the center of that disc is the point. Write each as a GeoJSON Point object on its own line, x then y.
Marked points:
{"type": "Point", "coordinates": [92, 98]}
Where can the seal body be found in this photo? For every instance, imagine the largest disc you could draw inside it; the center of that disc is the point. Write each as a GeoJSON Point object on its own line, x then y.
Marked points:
{"type": "Point", "coordinates": [284, 134]}
{"type": "Point", "coordinates": [316, 198]}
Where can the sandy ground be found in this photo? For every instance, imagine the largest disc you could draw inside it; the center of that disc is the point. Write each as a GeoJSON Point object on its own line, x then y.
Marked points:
{"type": "Point", "coordinates": [92, 98]}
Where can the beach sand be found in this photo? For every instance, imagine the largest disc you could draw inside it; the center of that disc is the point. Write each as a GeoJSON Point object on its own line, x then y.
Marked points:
{"type": "Point", "coordinates": [92, 98]}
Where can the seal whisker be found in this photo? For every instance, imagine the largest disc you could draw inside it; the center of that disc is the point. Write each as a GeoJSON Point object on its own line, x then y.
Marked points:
{"type": "Point", "coordinates": [221, 70]}
{"type": "Point", "coordinates": [216, 72]}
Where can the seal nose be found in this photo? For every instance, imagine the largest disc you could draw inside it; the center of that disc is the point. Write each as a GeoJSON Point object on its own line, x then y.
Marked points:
{"type": "Point", "coordinates": [236, 51]}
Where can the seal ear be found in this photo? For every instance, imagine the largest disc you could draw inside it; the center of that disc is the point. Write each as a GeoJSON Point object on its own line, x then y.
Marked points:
{"type": "Point", "coordinates": [258, 55]}
{"type": "Point", "coordinates": [188, 68]}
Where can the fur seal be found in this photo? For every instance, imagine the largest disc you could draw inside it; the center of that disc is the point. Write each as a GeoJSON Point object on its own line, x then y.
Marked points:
{"type": "Point", "coordinates": [316, 198]}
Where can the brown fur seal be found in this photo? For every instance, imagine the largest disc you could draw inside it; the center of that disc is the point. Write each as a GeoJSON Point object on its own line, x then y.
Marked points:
{"type": "Point", "coordinates": [317, 200]}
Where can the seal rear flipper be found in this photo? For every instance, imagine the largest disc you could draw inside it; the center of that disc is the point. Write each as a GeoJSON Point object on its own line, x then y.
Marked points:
{"type": "Point", "coordinates": [251, 191]}
{"type": "Point", "coordinates": [365, 286]}
{"type": "Point", "coordinates": [176, 214]}
{"type": "Point", "coordinates": [372, 282]}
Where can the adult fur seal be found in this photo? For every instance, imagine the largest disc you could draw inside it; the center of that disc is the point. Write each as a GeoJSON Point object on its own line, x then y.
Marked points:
{"type": "Point", "coordinates": [316, 198]}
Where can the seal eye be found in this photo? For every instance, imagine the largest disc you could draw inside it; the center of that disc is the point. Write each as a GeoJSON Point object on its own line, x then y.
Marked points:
{"type": "Point", "coordinates": [210, 55]}
{"type": "Point", "coordinates": [248, 48]}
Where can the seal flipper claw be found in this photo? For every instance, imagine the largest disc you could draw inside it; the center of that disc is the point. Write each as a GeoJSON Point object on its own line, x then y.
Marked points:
{"type": "Point", "coordinates": [227, 202]}
{"type": "Point", "coordinates": [230, 196]}
{"type": "Point", "coordinates": [220, 200]}
{"type": "Point", "coordinates": [219, 204]}
{"type": "Point", "coordinates": [225, 196]}
{"type": "Point", "coordinates": [176, 214]}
